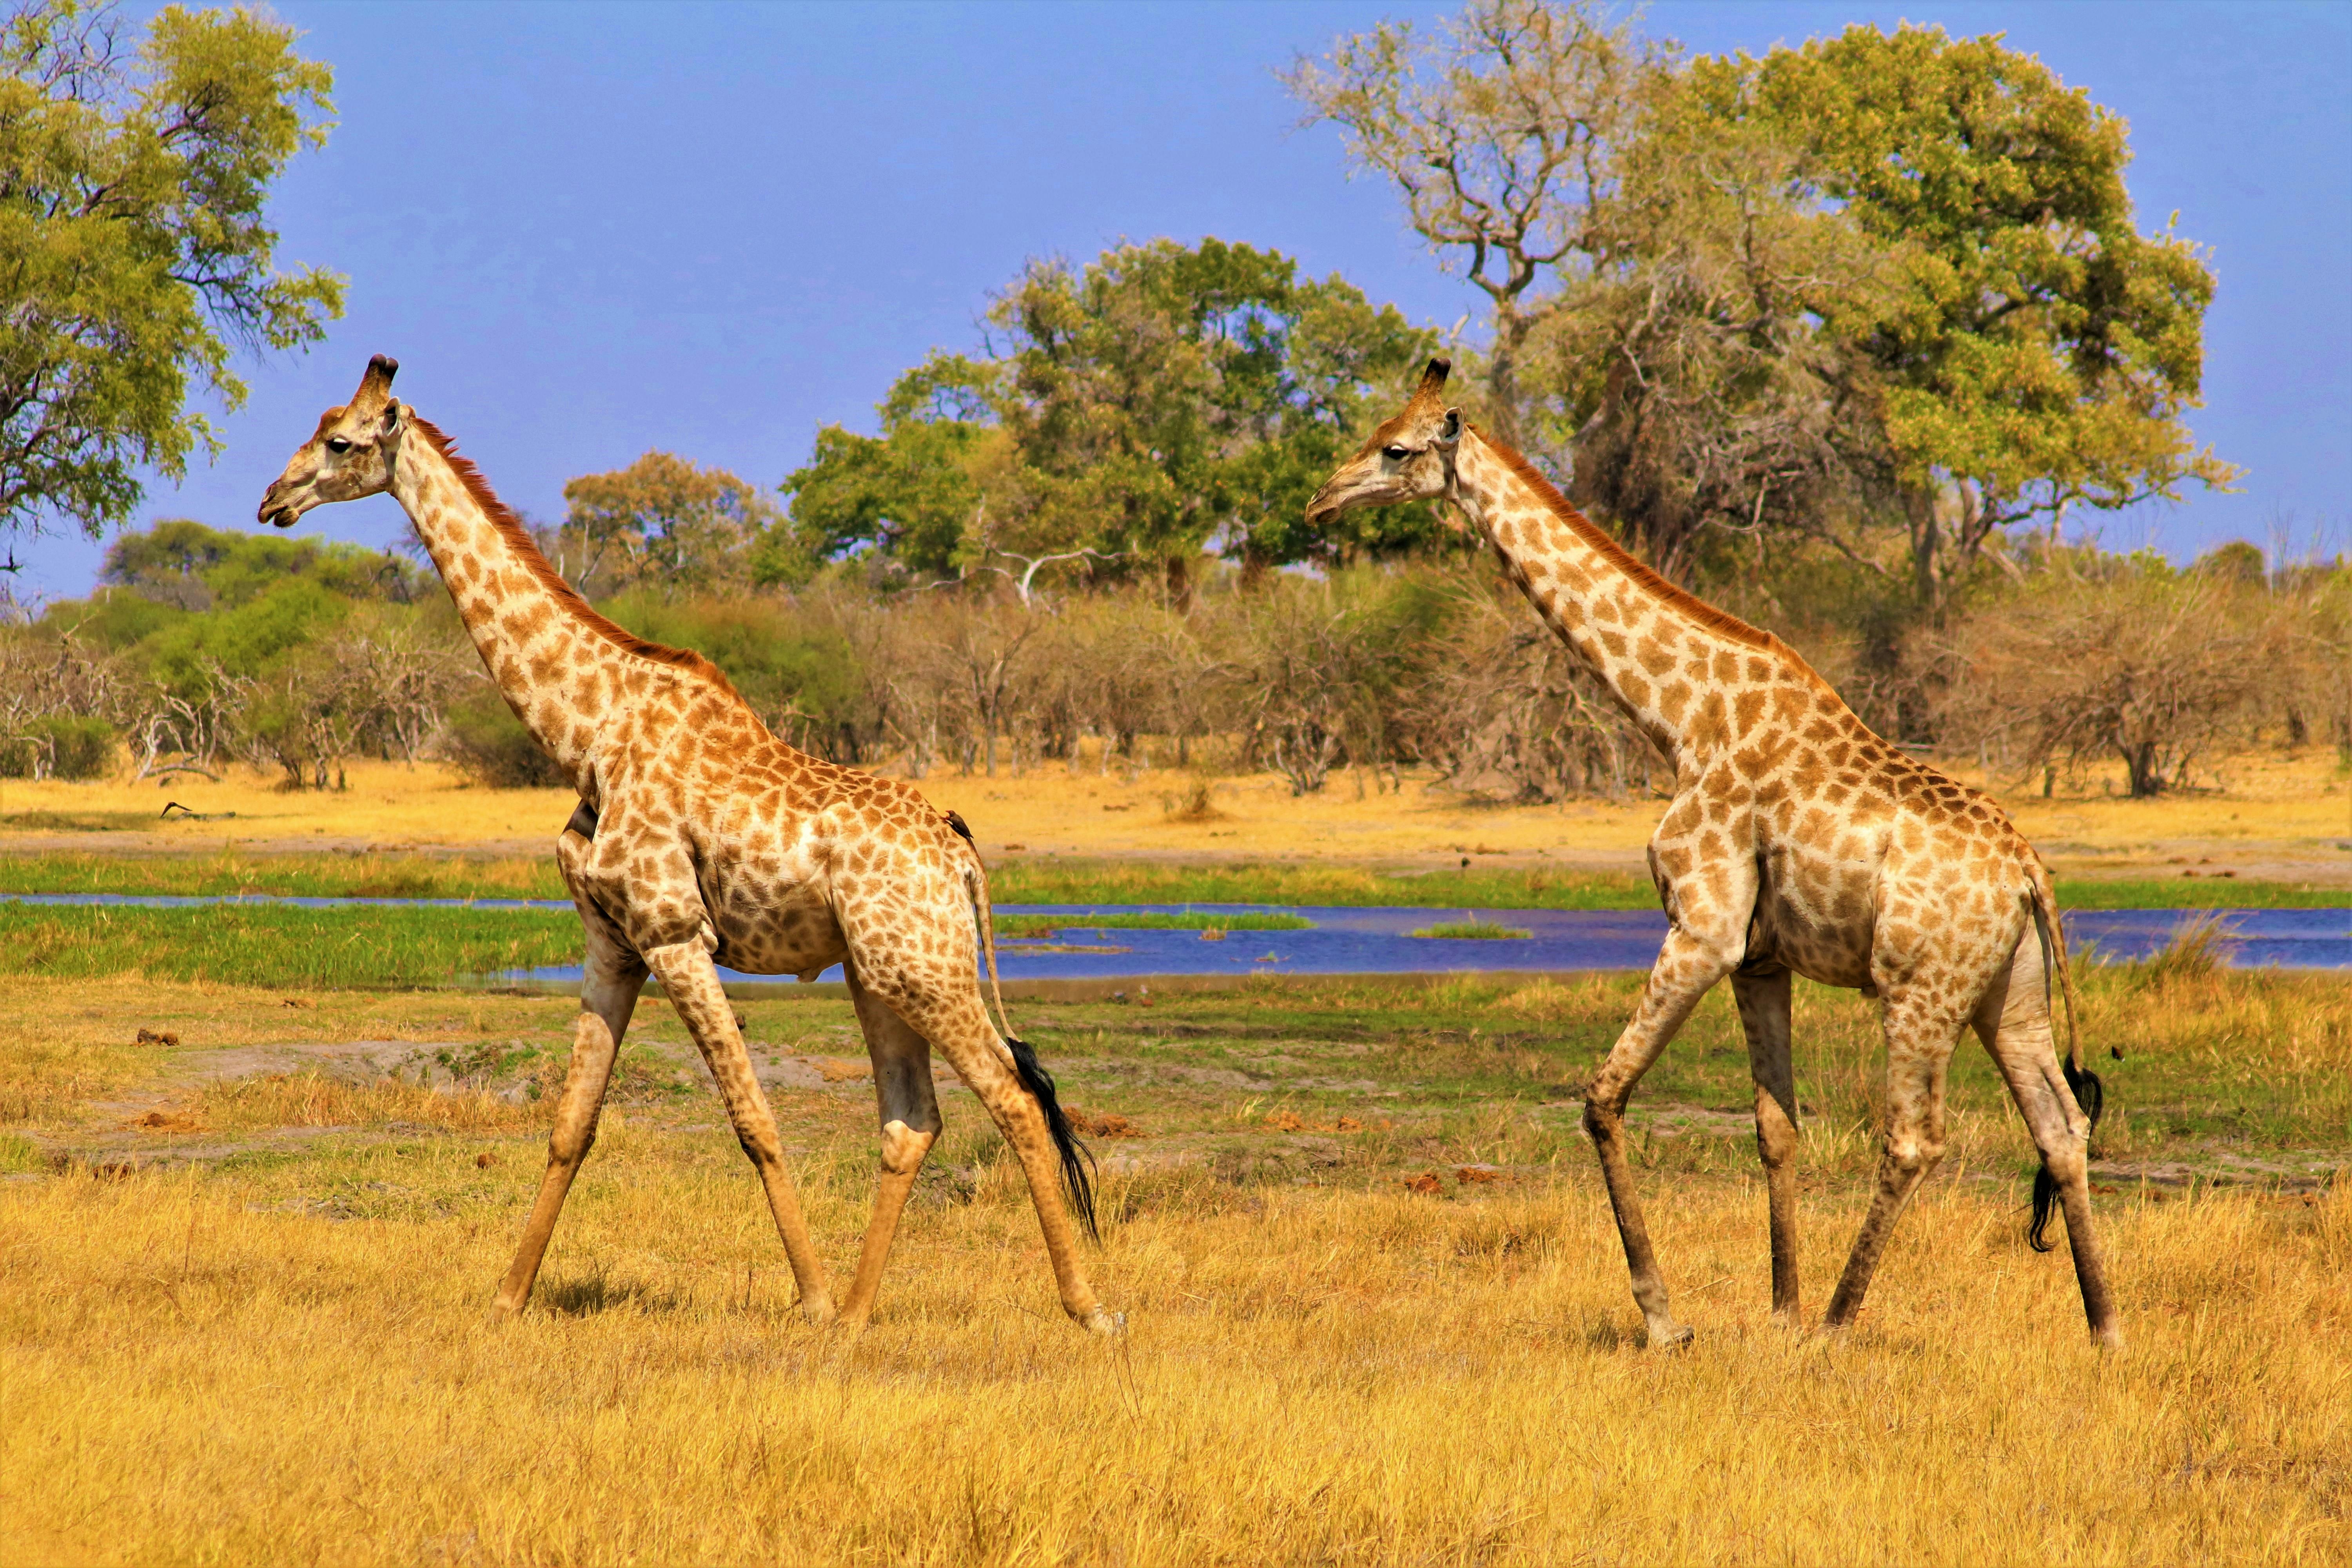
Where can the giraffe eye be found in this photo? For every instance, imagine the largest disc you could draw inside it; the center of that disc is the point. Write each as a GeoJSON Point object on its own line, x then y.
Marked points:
{"type": "Point", "coordinates": [1396, 454]}
{"type": "Point", "coordinates": [336, 444]}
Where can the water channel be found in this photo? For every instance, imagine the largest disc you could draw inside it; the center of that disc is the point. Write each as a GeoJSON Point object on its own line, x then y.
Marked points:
{"type": "Point", "coordinates": [1380, 940]}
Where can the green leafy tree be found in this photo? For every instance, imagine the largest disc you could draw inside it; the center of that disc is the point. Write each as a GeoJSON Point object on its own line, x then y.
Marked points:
{"type": "Point", "coordinates": [180, 561]}
{"type": "Point", "coordinates": [663, 522]}
{"type": "Point", "coordinates": [135, 255]}
{"type": "Point", "coordinates": [911, 492]}
{"type": "Point", "coordinates": [2040, 350]}
{"type": "Point", "coordinates": [1704, 371]}
{"type": "Point", "coordinates": [1165, 399]}
{"type": "Point", "coordinates": [191, 657]}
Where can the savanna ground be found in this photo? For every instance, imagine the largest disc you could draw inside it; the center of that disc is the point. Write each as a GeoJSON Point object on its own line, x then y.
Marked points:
{"type": "Point", "coordinates": [1377, 1309]}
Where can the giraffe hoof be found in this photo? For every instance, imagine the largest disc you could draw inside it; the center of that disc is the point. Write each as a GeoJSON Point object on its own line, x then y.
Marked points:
{"type": "Point", "coordinates": [1672, 1337]}
{"type": "Point", "coordinates": [1109, 1325]}
{"type": "Point", "coordinates": [817, 1311]}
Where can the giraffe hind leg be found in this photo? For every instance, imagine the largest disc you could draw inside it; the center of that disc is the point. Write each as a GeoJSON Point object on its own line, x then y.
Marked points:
{"type": "Point", "coordinates": [1919, 1041]}
{"type": "Point", "coordinates": [952, 1018]}
{"type": "Point", "coordinates": [1764, 1019]}
{"type": "Point", "coordinates": [2014, 1024]}
{"type": "Point", "coordinates": [910, 1110]}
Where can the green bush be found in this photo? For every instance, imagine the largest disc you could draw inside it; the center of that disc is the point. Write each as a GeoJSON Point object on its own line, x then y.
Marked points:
{"type": "Point", "coordinates": [490, 746]}
{"type": "Point", "coordinates": [75, 748]}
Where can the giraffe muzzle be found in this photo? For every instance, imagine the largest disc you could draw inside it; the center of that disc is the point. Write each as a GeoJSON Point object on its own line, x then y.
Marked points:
{"type": "Point", "coordinates": [274, 511]}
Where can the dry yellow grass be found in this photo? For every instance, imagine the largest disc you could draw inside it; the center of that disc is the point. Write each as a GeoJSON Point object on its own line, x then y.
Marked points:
{"type": "Point", "coordinates": [196, 1370]}
{"type": "Point", "coordinates": [2274, 808]}
{"type": "Point", "coordinates": [277, 1353]}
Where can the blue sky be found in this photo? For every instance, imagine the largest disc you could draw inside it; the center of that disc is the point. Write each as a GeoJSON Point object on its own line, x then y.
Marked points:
{"type": "Point", "coordinates": [591, 230]}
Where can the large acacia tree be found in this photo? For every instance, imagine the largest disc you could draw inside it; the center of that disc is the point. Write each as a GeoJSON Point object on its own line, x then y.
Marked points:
{"type": "Point", "coordinates": [135, 257]}
{"type": "Point", "coordinates": [1501, 129]}
{"type": "Point", "coordinates": [2038, 349]}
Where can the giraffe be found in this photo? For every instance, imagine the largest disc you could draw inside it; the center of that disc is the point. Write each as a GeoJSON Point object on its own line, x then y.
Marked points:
{"type": "Point", "coordinates": [700, 838]}
{"type": "Point", "coordinates": [1797, 841]}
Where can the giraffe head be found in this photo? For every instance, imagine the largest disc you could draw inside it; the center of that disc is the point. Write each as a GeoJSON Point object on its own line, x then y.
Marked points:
{"type": "Point", "coordinates": [350, 455]}
{"type": "Point", "coordinates": [1411, 457]}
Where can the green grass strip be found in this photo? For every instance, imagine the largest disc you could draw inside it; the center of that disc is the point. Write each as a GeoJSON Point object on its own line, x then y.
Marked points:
{"type": "Point", "coordinates": [1473, 931]}
{"type": "Point", "coordinates": [1039, 925]}
{"type": "Point", "coordinates": [267, 945]}
{"type": "Point", "coordinates": [1028, 880]}
{"type": "Point", "coordinates": [223, 873]}
{"type": "Point", "coordinates": [2198, 893]}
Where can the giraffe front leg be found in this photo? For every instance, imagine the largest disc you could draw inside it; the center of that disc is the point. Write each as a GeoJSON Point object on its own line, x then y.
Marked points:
{"type": "Point", "coordinates": [692, 982]}
{"type": "Point", "coordinates": [1686, 966]}
{"type": "Point", "coordinates": [1764, 1019]}
{"type": "Point", "coordinates": [592, 1049]}
{"type": "Point", "coordinates": [910, 1110]}
{"type": "Point", "coordinates": [1920, 1040]}
{"type": "Point", "coordinates": [608, 996]}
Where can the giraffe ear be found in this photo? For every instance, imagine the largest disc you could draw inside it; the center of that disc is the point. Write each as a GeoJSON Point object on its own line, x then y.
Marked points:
{"type": "Point", "coordinates": [1450, 431]}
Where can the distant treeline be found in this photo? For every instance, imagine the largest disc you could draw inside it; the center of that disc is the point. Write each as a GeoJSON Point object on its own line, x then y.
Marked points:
{"type": "Point", "coordinates": [205, 646]}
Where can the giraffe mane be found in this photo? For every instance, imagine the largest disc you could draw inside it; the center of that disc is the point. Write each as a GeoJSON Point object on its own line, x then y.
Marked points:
{"type": "Point", "coordinates": [1633, 566]}
{"type": "Point", "coordinates": [519, 540]}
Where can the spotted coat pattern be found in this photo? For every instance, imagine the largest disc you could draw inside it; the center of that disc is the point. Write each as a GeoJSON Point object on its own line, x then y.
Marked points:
{"type": "Point", "coordinates": [702, 839]}
{"type": "Point", "coordinates": [1797, 841]}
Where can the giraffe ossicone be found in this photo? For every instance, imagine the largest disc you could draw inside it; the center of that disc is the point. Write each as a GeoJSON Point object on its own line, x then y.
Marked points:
{"type": "Point", "coordinates": [1797, 841]}
{"type": "Point", "coordinates": [700, 837]}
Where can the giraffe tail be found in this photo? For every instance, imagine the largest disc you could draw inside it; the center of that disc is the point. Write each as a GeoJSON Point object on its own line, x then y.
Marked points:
{"type": "Point", "coordinates": [1077, 1177]}
{"type": "Point", "coordinates": [2081, 1081]}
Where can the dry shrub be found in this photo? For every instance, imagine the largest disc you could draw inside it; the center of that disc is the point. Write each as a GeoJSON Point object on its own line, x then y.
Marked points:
{"type": "Point", "coordinates": [2126, 661]}
{"type": "Point", "coordinates": [1196, 804]}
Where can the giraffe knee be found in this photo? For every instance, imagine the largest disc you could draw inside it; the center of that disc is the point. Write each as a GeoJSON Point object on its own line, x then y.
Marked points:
{"type": "Point", "coordinates": [569, 1143]}
{"type": "Point", "coordinates": [761, 1145]}
{"type": "Point", "coordinates": [1776, 1136]}
{"type": "Point", "coordinates": [903, 1149]}
{"type": "Point", "coordinates": [1912, 1152]}
{"type": "Point", "coordinates": [2067, 1164]}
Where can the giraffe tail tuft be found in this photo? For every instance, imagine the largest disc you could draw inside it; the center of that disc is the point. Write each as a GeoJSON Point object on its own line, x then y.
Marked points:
{"type": "Point", "coordinates": [2081, 1081]}
{"type": "Point", "coordinates": [1077, 1179]}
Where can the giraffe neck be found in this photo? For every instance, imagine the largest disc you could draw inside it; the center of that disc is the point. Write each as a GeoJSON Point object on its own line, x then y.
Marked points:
{"type": "Point", "coordinates": [1669, 660]}
{"type": "Point", "coordinates": [546, 650]}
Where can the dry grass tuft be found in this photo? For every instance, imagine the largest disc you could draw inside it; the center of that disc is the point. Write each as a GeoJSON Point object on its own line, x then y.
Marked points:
{"type": "Point", "coordinates": [314, 1100]}
{"type": "Point", "coordinates": [2201, 947]}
